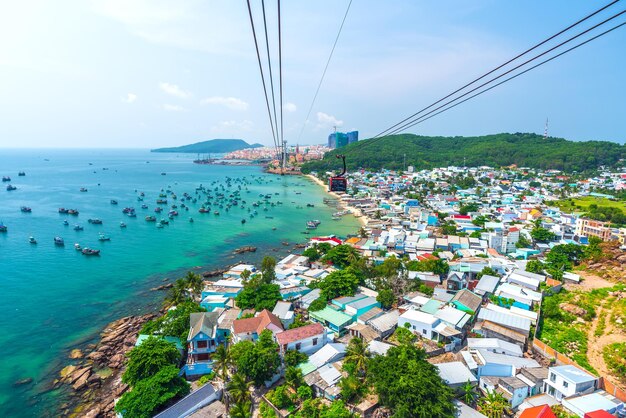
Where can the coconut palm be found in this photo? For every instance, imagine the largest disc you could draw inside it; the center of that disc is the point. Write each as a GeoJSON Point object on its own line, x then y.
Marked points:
{"type": "Point", "coordinates": [239, 388]}
{"type": "Point", "coordinates": [494, 405]}
{"type": "Point", "coordinates": [358, 354]}
{"type": "Point", "coordinates": [222, 361]}
{"type": "Point", "coordinates": [178, 293]}
{"type": "Point", "coordinates": [193, 281]}
{"type": "Point", "coordinates": [293, 377]}
{"type": "Point", "coordinates": [468, 393]}
{"type": "Point", "coordinates": [241, 410]}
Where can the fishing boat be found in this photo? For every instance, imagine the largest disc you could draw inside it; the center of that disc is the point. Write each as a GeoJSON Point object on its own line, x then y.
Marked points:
{"type": "Point", "coordinates": [113, 202]}
{"type": "Point", "coordinates": [26, 209]}
{"type": "Point", "coordinates": [150, 218]}
{"type": "Point", "coordinates": [94, 221]}
{"type": "Point", "coordinates": [102, 237]}
{"type": "Point", "coordinates": [59, 241]}
{"type": "Point", "coordinates": [191, 220]}
{"type": "Point", "coordinates": [83, 189]}
{"type": "Point", "coordinates": [158, 209]}
{"type": "Point", "coordinates": [78, 227]}
{"type": "Point", "coordinates": [90, 251]}
{"type": "Point", "coordinates": [21, 174]}
{"type": "Point", "coordinates": [144, 206]}
{"type": "Point", "coordinates": [77, 247]}
{"type": "Point", "coordinates": [122, 225]}
{"type": "Point", "coordinates": [163, 174]}
{"type": "Point", "coordinates": [32, 240]}
{"type": "Point", "coordinates": [62, 210]}
{"type": "Point", "coordinates": [310, 205]}
{"type": "Point", "coordinates": [11, 187]}
{"type": "Point", "coordinates": [6, 178]}
{"type": "Point", "coordinates": [3, 227]}
{"type": "Point", "coordinates": [216, 212]}
{"type": "Point", "coordinates": [128, 210]}
{"type": "Point", "coordinates": [161, 201]}
{"type": "Point", "coordinates": [72, 212]}
{"type": "Point", "coordinates": [310, 225]}
{"type": "Point", "coordinates": [159, 225]}
{"type": "Point", "coordinates": [132, 214]}
{"type": "Point", "coordinates": [243, 221]}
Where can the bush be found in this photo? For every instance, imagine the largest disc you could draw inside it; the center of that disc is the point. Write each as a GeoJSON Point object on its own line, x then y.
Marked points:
{"type": "Point", "coordinates": [294, 357]}
{"type": "Point", "coordinates": [318, 304]}
{"type": "Point", "coordinates": [615, 358]}
{"type": "Point", "coordinates": [148, 358]}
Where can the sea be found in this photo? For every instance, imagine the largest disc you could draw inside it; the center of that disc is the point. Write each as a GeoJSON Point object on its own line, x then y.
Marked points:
{"type": "Point", "coordinates": [55, 299]}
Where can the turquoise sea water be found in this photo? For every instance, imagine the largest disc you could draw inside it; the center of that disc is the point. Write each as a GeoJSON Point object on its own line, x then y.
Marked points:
{"type": "Point", "coordinates": [54, 298]}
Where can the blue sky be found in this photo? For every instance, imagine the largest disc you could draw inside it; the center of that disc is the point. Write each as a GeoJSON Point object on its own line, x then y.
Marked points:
{"type": "Point", "coordinates": [149, 73]}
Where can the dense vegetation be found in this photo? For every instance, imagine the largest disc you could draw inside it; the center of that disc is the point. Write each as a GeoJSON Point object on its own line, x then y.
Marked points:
{"type": "Point", "coordinates": [523, 149]}
{"type": "Point", "coordinates": [214, 145]}
{"type": "Point", "coordinates": [615, 357]}
{"type": "Point", "coordinates": [599, 209]}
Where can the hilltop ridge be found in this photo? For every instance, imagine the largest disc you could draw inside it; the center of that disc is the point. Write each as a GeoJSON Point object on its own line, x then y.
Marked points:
{"type": "Point", "coordinates": [497, 150]}
{"type": "Point", "coordinates": [213, 145]}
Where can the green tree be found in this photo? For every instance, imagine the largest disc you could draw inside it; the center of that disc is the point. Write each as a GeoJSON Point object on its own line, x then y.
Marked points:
{"type": "Point", "coordinates": [293, 377]}
{"type": "Point", "coordinates": [318, 304]}
{"type": "Point", "coordinates": [341, 255]}
{"type": "Point", "coordinates": [467, 208]}
{"type": "Point", "coordinates": [257, 361]}
{"type": "Point", "coordinates": [523, 242]}
{"type": "Point", "coordinates": [312, 253]}
{"type": "Point", "coordinates": [357, 354]}
{"type": "Point", "coordinates": [153, 394]}
{"type": "Point", "coordinates": [386, 298]}
{"type": "Point", "coordinates": [434, 265]}
{"type": "Point", "coordinates": [174, 323]}
{"type": "Point", "coordinates": [540, 234]}
{"type": "Point", "coordinates": [258, 297]}
{"type": "Point", "coordinates": [409, 385]}
{"type": "Point", "coordinates": [194, 282]}
{"type": "Point", "coordinates": [494, 405]}
{"type": "Point", "coordinates": [468, 393]}
{"type": "Point", "coordinates": [534, 266]}
{"type": "Point", "coordinates": [146, 359]}
{"type": "Point", "coordinates": [241, 410]}
{"type": "Point", "coordinates": [487, 270]}
{"type": "Point", "coordinates": [305, 392]}
{"type": "Point", "coordinates": [338, 283]}
{"type": "Point", "coordinates": [294, 357]}
{"type": "Point", "coordinates": [268, 269]}
{"type": "Point", "coordinates": [404, 336]}
{"type": "Point", "coordinates": [351, 388]}
{"type": "Point", "coordinates": [222, 361]}
{"type": "Point", "coordinates": [178, 293]}
{"type": "Point", "coordinates": [239, 389]}
{"type": "Point", "coordinates": [298, 322]}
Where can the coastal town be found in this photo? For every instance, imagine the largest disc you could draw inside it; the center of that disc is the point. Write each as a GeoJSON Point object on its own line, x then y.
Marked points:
{"type": "Point", "coordinates": [467, 292]}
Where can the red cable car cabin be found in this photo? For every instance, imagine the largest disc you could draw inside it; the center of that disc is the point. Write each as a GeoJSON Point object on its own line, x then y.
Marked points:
{"type": "Point", "coordinates": [339, 183]}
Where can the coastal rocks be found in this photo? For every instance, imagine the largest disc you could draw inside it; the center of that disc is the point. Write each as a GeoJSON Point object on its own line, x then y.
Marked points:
{"type": "Point", "coordinates": [214, 273]}
{"type": "Point", "coordinates": [76, 353]}
{"type": "Point", "coordinates": [22, 382]}
{"type": "Point", "coordinates": [162, 287]}
{"type": "Point", "coordinates": [246, 249]}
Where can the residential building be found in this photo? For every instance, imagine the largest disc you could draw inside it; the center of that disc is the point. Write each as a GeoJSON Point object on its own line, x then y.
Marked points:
{"type": "Point", "coordinates": [203, 338]}
{"type": "Point", "coordinates": [591, 228]}
{"type": "Point", "coordinates": [566, 381]}
{"type": "Point", "coordinates": [307, 339]}
{"type": "Point", "coordinates": [249, 329]}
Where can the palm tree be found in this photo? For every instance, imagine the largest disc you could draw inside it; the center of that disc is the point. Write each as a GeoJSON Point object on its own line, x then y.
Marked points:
{"type": "Point", "coordinates": [222, 361]}
{"type": "Point", "coordinates": [468, 393]}
{"type": "Point", "coordinates": [239, 388]}
{"type": "Point", "coordinates": [293, 377]}
{"type": "Point", "coordinates": [358, 354]}
{"type": "Point", "coordinates": [494, 405]}
{"type": "Point", "coordinates": [241, 410]}
{"type": "Point", "coordinates": [194, 282]}
{"type": "Point", "coordinates": [178, 293]}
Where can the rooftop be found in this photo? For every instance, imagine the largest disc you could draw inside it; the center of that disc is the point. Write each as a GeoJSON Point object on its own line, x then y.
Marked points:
{"type": "Point", "coordinates": [572, 373]}
{"type": "Point", "coordinates": [455, 373]}
{"type": "Point", "coordinates": [299, 333]}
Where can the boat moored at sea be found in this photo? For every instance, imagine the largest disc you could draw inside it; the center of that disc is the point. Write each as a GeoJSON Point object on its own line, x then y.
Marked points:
{"type": "Point", "coordinates": [10, 187]}
{"type": "Point", "coordinates": [3, 227]}
{"type": "Point", "coordinates": [6, 178]}
{"type": "Point", "coordinates": [21, 174]}
{"type": "Point", "coordinates": [78, 227]}
{"type": "Point", "coordinates": [90, 251]}
{"type": "Point", "coordinates": [103, 237]}
{"type": "Point", "coordinates": [32, 240]}
{"type": "Point", "coordinates": [77, 247]}
{"type": "Point", "coordinates": [122, 225]}
{"type": "Point", "coordinates": [26, 209]}
{"type": "Point", "coordinates": [113, 202]}
{"type": "Point", "coordinates": [83, 189]}
{"type": "Point", "coordinates": [150, 218]}
{"type": "Point", "coordinates": [94, 221]}
{"type": "Point", "coordinates": [59, 241]}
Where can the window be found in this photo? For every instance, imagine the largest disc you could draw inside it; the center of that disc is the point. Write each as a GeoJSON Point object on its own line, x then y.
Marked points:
{"type": "Point", "coordinates": [552, 377]}
{"type": "Point", "coordinates": [298, 345]}
{"type": "Point", "coordinates": [565, 384]}
{"type": "Point", "coordinates": [414, 327]}
{"type": "Point", "coordinates": [201, 344]}
{"type": "Point", "coordinates": [424, 331]}
{"type": "Point", "coordinates": [314, 341]}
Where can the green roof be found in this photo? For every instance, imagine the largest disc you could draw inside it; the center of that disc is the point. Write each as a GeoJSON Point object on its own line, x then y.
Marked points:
{"type": "Point", "coordinates": [334, 317]}
{"type": "Point", "coordinates": [431, 307]}
{"type": "Point", "coordinates": [307, 367]}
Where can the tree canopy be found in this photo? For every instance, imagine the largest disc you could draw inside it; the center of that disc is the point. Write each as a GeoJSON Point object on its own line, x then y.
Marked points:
{"type": "Point", "coordinates": [175, 323]}
{"type": "Point", "coordinates": [148, 358]}
{"type": "Point", "coordinates": [256, 361]}
{"type": "Point", "coordinates": [338, 283]}
{"type": "Point", "coordinates": [341, 255]}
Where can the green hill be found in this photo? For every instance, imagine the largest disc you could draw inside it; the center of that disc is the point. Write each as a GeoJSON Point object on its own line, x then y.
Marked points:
{"type": "Point", "coordinates": [523, 149]}
{"type": "Point", "coordinates": [212, 146]}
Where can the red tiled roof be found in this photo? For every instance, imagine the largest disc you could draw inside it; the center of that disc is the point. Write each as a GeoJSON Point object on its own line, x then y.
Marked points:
{"type": "Point", "coordinates": [256, 324]}
{"type": "Point", "coordinates": [299, 333]}
{"type": "Point", "coordinates": [600, 413]}
{"type": "Point", "coordinates": [462, 217]}
{"type": "Point", "coordinates": [541, 411]}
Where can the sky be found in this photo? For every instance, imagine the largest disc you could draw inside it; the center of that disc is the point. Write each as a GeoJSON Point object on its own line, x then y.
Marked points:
{"type": "Point", "coordinates": [152, 73]}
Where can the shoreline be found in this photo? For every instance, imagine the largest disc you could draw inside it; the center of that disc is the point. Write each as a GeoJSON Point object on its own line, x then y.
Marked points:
{"type": "Point", "coordinates": [362, 219]}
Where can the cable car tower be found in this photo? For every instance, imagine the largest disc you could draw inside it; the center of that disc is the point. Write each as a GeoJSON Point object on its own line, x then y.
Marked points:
{"type": "Point", "coordinates": [339, 183]}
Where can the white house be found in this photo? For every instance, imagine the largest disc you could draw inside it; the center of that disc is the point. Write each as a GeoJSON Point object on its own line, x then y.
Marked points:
{"type": "Point", "coordinates": [307, 339]}
{"type": "Point", "coordinates": [566, 381]}
{"type": "Point", "coordinates": [495, 345]}
{"type": "Point", "coordinates": [419, 322]}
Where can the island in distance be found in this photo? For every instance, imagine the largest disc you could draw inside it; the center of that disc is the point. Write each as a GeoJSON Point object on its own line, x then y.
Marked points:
{"type": "Point", "coordinates": [211, 146]}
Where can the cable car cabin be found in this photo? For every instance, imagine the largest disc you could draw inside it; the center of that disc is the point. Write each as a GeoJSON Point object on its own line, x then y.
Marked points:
{"type": "Point", "coordinates": [338, 184]}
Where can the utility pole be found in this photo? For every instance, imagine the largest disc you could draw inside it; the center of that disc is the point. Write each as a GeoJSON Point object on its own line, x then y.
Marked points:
{"type": "Point", "coordinates": [404, 163]}
{"type": "Point", "coordinates": [545, 131]}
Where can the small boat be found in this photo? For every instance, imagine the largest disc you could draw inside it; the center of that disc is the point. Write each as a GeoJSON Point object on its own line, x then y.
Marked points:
{"type": "Point", "coordinates": [122, 225]}
{"type": "Point", "coordinates": [11, 187]}
{"type": "Point", "coordinates": [128, 210]}
{"type": "Point", "coordinates": [102, 237]}
{"type": "Point", "coordinates": [26, 209]}
{"type": "Point", "coordinates": [191, 220]}
{"type": "Point", "coordinates": [32, 240]}
{"type": "Point", "coordinates": [90, 251]}
{"type": "Point", "coordinates": [95, 221]}
{"type": "Point", "coordinates": [159, 225]}
{"type": "Point", "coordinates": [72, 212]}
{"type": "Point", "coordinates": [3, 227]}
{"type": "Point", "coordinates": [216, 212]}
{"type": "Point", "coordinates": [59, 241]}
{"type": "Point", "coordinates": [158, 209]}
{"type": "Point", "coordinates": [6, 178]}
{"type": "Point", "coordinates": [113, 202]}
{"type": "Point", "coordinates": [243, 221]}
{"type": "Point", "coordinates": [310, 205]}
{"type": "Point", "coordinates": [144, 206]}
{"type": "Point", "coordinates": [310, 225]}
{"type": "Point", "coordinates": [62, 210]}
{"type": "Point", "coordinates": [78, 228]}
{"type": "Point", "coordinates": [65, 223]}
{"type": "Point", "coordinates": [21, 174]}
{"type": "Point", "coordinates": [163, 173]}
{"type": "Point", "coordinates": [269, 217]}
{"type": "Point", "coordinates": [82, 189]}
{"type": "Point", "coordinates": [132, 214]}
{"type": "Point", "coordinates": [161, 201]}
{"type": "Point", "coordinates": [77, 247]}
{"type": "Point", "coordinates": [164, 222]}
{"type": "Point", "coordinates": [150, 218]}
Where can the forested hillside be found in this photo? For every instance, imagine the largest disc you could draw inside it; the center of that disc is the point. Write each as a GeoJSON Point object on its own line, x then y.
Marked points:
{"type": "Point", "coordinates": [523, 149]}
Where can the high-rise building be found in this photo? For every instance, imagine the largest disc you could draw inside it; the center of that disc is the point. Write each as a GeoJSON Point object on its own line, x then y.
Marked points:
{"type": "Point", "coordinates": [339, 139]}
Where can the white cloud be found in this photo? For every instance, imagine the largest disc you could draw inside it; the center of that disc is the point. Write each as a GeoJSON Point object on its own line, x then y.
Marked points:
{"type": "Point", "coordinates": [174, 90]}
{"type": "Point", "coordinates": [173, 108]}
{"type": "Point", "coordinates": [233, 126]}
{"type": "Point", "coordinates": [130, 98]}
{"type": "Point", "coordinates": [290, 107]}
{"type": "Point", "coordinates": [232, 103]}
{"type": "Point", "coordinates": [326, 120]}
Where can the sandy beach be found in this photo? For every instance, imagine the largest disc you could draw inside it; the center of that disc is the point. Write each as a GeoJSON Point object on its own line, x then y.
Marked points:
{"type": "Point", "coordinates": [355, 212]}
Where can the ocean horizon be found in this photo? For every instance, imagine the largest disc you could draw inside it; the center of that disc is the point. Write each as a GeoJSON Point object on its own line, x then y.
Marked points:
{"type": "Point", "coordinates": [58, 299]}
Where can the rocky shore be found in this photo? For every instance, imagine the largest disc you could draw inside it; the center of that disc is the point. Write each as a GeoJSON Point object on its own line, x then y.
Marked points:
{"type": "Point", "coordinates": [95, 378]}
